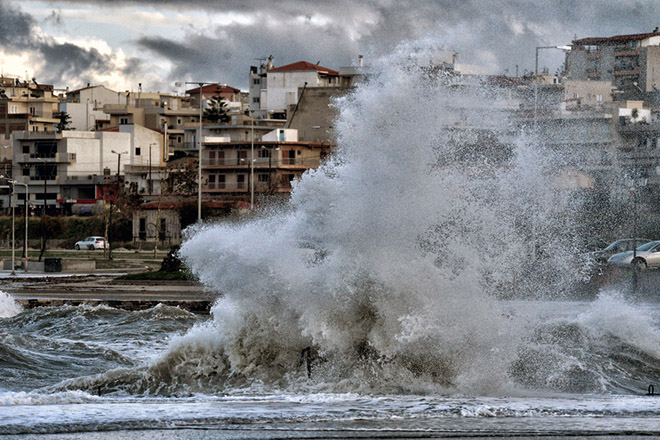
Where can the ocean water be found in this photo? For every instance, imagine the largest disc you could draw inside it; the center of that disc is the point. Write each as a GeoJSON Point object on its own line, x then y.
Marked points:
{"type": "Point", "coordinates": [427, 281]}
{"type": "Point", "coordinates": [98, 372]}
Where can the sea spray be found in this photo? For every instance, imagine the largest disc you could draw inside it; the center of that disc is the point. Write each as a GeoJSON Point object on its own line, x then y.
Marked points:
{"type": "Point", "coordinates": [388, 259]}
{"type": "Point", "coordinates": [9, 306]}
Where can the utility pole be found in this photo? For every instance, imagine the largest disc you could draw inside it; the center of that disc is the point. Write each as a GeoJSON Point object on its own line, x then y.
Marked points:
{"type": "Point", "coordinates": [117, 194]}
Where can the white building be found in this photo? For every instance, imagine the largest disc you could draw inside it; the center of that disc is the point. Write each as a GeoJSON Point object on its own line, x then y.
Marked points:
{"type": "Point", "coordinates": [85, 106]}
{"type": "Point", "coordinates": [73, 169]}
{"type": "Point", "coordinates": [275, 89]}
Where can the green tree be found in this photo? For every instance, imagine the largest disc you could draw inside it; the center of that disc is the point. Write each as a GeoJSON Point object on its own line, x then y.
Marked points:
{"type": "Point", "coordinates": [216, 111]}
{"type": "Point", "coordinates": [49, 227]}
{"type": "Point", "coordinates": [64, 121]}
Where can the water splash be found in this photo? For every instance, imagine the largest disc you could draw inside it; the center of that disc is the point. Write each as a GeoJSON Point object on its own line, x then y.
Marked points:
{"type": "Point", "coordinates": [387, 261]}
{"type": "Point", "coordinates": [9, 306]}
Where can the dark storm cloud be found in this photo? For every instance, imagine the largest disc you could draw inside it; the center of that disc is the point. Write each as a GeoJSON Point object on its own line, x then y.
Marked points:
{"type": "Point", "coordinates": [15, 27]}
{"type": "Point", "coordinates": [501, 34]}
{"type": "Point", "coordinates": [71, 61]}
{"type": "Point", "coordinates": [67, 64]}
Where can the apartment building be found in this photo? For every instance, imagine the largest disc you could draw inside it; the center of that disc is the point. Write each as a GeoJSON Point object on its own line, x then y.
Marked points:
{"type": "Point", "coordinates": [275, 160]}
{"type": "Point", "coordinates": [27, 106]}
{"type": "Point", "coordinates": [85, 106]}
{"type": "Point", "coordinates": [273, 90]}
{"type": "Point", "coordinates": [73, 170]}
{"type": "Point", "coordinates": [630, 62]}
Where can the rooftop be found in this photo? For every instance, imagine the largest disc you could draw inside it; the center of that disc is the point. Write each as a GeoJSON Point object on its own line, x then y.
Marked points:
{"type": "Point", "coordinates": [617, 38]}
{"type": "Point", "coordinates": [305, 66]}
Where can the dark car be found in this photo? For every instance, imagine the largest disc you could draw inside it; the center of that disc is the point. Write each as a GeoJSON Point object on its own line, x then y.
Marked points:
{"type": "Point", "coordinates": [623, 245]}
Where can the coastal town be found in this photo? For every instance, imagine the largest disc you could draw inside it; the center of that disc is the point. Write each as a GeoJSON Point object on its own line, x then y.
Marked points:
{"type": "Point", "coordinates": [159, 162]}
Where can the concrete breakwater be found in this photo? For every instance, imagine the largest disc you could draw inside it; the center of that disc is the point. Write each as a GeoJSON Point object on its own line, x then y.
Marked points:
{"type": "Point", "coordinates": [39, 291]}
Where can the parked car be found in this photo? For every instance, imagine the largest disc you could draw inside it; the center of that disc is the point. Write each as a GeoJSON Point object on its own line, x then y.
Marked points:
{"type": "Point", "coordinates": [91, 243]}
{"type": "Point", "coordinates": [647, 255]}
{"type": "Point", "coordinates": [623, 245]}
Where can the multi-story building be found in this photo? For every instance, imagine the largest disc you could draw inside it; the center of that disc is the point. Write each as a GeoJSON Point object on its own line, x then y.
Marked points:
{"type": "Point", "coordinates": [274, 161]}
{"type": "Point", "coordinates": [630, 62]}
{"type": "Point", "coordinates": [75, 169]}
{"type": "Point", "coordinates": [26, 106]}
{"type": "Point", "coordinates": [273, 90]}
{"type": "Point", "coordinates": [85, 106]}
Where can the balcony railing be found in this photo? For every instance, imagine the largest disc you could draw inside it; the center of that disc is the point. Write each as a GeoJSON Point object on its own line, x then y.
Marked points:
{"type": "Point", "coordinates": [261, 162]}
{"type": "Point", "coordinates": [46, 157]}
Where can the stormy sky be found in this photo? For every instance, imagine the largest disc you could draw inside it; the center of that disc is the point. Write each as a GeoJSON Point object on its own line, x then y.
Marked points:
{"type": "Point", "coordinates": [124, 43]}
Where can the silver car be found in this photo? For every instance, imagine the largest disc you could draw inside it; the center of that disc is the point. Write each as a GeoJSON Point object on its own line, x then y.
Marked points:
{"type": "Point", "coordinates": [647, 255]}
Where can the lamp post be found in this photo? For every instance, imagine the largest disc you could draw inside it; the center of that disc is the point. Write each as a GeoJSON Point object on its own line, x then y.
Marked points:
{"type": "Point", "coordinates": [536, 75]}
{"type": "Point", "coordinates": [13, 182]}
{"type": "Point", "coordinates": [13, 230]}
{"type": "Point", "coordinates": [199, 145]}
{"type": "Point", "coordinates": [252, 165]}
{"type": "Point", "coordinates": [150, 184]}
{"type": "Point", "coordinates": [109, 231]}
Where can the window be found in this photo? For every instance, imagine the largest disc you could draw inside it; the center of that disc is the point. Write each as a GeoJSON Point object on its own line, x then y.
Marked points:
{"type": "Point", "coordinates": [123, 121]}
{"type": "Point", "coordinates": [242, 158]}
{"type": "Point", "coordinates": [256, 81]}
{"type": "Point", "coordinates": [212, 158]}
{"type": "Point", "coordinates": [240, 181]}
{"type": "Point", "coordinates": [26, 171]}
{"type": "Point", "coordinates": [256, 100]}
{"type": "Point", "coordinates": [137, 151]}
{"type": "Point", "coordinates": [178, 121]}
{"type": "Point", "coordinates": [26, 149]}
{"type": "Point", "coordinates": [262, 178]}
{"type": "Point", "coordinates": [178, 139]}
{"type": "Point", "coordinates": [221, 181]}
{"type": "Point", "coordinates": [599, 98]}
{"type": "Point", "coordinates": [576, 95]}
{"type": "Point", "coordinates": [211, 181]}
{"type": "Point", "coordinates": [263, 153]}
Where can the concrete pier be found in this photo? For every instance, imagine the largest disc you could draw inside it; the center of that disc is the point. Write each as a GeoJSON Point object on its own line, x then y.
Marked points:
{"type": "Point", "coordinates": [38, 290]}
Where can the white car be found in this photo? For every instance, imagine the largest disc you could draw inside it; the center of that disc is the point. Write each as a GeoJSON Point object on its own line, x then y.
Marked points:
{"type": "Point", "coordinates": [647, 255]}
{"type": "Point", "coordinates": [91, 243]}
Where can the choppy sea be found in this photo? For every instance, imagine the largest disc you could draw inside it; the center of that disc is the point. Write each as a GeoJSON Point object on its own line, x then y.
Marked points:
{"type": "Point", "coordinates": [74, 372]}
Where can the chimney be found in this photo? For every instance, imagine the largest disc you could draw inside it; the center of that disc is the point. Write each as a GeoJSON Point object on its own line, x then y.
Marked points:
{"type": "Point", "coordinates": [270, 62]}
{"type": "Point", "coordinates": [360, 60]}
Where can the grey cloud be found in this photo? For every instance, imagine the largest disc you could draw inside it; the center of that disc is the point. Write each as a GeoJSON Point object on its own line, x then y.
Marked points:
{"type": "Point", "coordinates": [500, 33]}
{"type": "Point", "coordinates": [15, 27]}
{"type": "Point", "coordinates": [70, 61]}
{"type": "Point", "coordinates": [66, 63]}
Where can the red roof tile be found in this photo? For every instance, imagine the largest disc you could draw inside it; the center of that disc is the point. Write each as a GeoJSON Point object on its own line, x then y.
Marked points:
{"type": "Point", "coordinates": [304, 65]}
{"type": "Point", "coordinates": [630, 37]}
{"type": "Point", "coordinates": [213, 88]}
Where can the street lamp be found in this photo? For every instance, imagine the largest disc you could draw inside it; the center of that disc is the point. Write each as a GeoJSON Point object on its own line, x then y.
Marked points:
{"type": "Point", "coordinates": [150, 185]}
{"type": "Point", "coordinates": [536, 75]}
{"type": "Point", "coordinates": [109, 232]}
{"type": "Point", "coordinates": [199, 145]}
{"type": "Point", "coordinates": [13, 182]}
{"type": "Point", "coordinates": [252, 166]}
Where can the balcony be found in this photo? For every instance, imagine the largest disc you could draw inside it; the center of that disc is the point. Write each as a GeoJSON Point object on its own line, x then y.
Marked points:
{"type": "Point", "coordinates": [261, 162]}
{"type": "Point", "coordinates": [220, 187]}
{"type": "Point", "coordinates": [628, 72]}
{"type": "Point", "coordinates": [36, 158]}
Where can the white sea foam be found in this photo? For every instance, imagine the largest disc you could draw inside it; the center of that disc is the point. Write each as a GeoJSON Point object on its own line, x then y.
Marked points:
{"type": "Point", "coordinates": [386, 261]}
{"type": "Point", "coordinates": [9, 306]}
